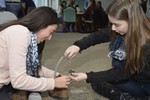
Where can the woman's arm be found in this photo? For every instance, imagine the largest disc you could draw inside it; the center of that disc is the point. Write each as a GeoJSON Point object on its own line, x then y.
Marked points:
{"type": "Point", "coordinates": [18, 40]}
{"type": "Point", "coordinates": [111, 75]}
{"type": "Point", "coordinates": [45, 72]}
{"type": "Point", "coordinates": [93, 39]}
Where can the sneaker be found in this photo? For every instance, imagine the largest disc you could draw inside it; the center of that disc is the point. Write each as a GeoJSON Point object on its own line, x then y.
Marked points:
{"type": "Point", "coordinates": [34, 96]}
{"type": "Point", "coordinates": [59, 94]}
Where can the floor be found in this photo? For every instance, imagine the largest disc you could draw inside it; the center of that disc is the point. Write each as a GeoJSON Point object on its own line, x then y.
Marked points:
{"type": "Point", "coordinates": [93, 59]}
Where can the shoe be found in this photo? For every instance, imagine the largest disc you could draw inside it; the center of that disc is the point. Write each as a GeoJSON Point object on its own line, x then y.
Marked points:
{"type": "Point", "coordinates": [34, 96]}
{"type": "Point", "coordinates": [59, 94]}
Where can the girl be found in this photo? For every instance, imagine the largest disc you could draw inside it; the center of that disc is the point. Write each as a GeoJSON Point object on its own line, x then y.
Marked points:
{"type": "Point", "coordinates": [130, 52]}
{"type": "Point", "coordinates": [19, 63]}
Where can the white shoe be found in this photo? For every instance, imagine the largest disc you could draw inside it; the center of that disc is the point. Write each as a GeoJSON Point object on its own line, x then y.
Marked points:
{"type": "Point", "coordinates": [34, 96]}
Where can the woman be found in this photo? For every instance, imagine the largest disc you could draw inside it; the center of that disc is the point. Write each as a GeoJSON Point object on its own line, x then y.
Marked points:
{"type": "Point", "coordinates": [19, 63]}
{"type": "Point", "coordinates": [88, 16]}
{"type": "Point", "coordinates": [129, 77]}
{"type": "Point", "coordinates": [90, 9]}
{"type": "Point", "coordinates": [62, 6]}
{"type": "Point", "coordinates": [69, 24]}
{"type": "Point", "coordinates": [100, 17]}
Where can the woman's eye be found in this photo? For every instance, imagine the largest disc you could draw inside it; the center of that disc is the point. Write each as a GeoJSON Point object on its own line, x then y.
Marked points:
{"type": "Point", "coordinates": [116, 25]}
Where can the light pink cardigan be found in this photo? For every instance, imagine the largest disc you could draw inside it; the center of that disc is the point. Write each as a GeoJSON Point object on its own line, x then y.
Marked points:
{"type": "Point", "coordinates": [14, 42]}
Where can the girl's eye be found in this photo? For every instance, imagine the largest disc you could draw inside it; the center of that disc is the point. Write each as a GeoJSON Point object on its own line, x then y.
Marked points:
{"type": "Point", "coordinates": [116, 25]}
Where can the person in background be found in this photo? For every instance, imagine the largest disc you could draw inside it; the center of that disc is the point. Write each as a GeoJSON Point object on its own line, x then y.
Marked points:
{"type": "Point", "coordinates": [19, 64]}
{"type": "Point", "coordinates": [100, 17]}
{"type": "Point", "coordinates": [129, 77]}
{"type": "Point", "coordinates": [71, 3]}
{"type": "Point", "coordinates": [26, 7]}
{"type": "Point", "coordinates": [99, 5]}
{"type": "Point", "coordinates": [13, 6]}
{"type": "Point", "coordinates": [69, 26]}
{"type": "Point", "coordinates": [90, 9]}
{"type": "Point", "coordinates": [2, 5]}
{"type": "Point", "coordinates": [88, 16]}
{"type": "Point", "coordinates": [29, 5]}
{"type": "Point", "coordinates": [77, 8]}
{"type": "Point", "coordinates": [62, 6]}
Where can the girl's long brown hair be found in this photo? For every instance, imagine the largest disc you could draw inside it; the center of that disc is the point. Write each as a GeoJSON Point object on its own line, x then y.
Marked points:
{"type": "Point", "coordinates": [138, 31]}
{"type": "Point", "coordinates": [37, 19]}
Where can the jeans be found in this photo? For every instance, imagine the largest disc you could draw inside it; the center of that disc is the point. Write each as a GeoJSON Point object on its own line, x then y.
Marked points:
{"type": "Point", "coordinates": [13, 7]}
{"type": "Point", "coordinates": [4, 92]}
{"type": "Point", "coordinates": [132, 87]}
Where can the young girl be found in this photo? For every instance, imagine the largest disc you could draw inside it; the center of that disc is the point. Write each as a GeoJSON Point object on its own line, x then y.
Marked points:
{"type": "Point", "coordinates": [130, 52]}
{"type": "Point", "coordinates": [19, 63]}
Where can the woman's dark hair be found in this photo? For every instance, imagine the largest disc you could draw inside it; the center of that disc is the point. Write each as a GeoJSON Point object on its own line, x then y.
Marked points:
{"type": "Point", "coordinates": [62, 4]}
{"type": "Point", "coordinates": [100, 5]}
{"type": "Point", "coordinates": [37, 19]}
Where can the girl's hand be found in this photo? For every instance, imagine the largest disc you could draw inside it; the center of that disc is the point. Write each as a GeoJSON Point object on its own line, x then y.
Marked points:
{"type": "Point", "coordinates": [71, 51]}
{"type": "Point", "coordinates": [62, 81]}
{"type": "Point", "coordinates": [78, 76]}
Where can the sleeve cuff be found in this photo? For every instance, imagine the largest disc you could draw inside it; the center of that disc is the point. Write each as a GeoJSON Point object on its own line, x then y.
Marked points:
{"type": "Point", "coordinates": [89, 76]}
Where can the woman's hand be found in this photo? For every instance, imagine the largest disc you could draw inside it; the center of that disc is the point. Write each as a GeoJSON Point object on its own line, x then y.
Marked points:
{"type": "Point", "coordinates": [62, 81]}
{"type": "Point", "coordinates": [71, 51]}
{"type": "Point", "coordinates": [78, 76]}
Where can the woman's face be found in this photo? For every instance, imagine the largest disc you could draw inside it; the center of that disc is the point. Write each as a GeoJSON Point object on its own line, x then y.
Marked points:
{"type": "Point", "coordinates": [46, 33]}
{"type": "Point", "coordinates": [120, 26]}
{"type": "Point", "coordinates": [64, 4]}
{"type": "Point", "coordinates": [98, 5]}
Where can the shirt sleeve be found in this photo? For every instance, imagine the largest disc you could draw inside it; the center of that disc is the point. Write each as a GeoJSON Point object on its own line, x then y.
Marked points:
{"type": "Point", "coordinates": [110, 75]}
{"type": "Point", "coordinates": [93, 39]}
{"type": "Point", "coordinates": [45, 72]}
{"type": "Point", "coordinates": [18, 38]}
{"type": "Point", "coordinates": [118, 73]}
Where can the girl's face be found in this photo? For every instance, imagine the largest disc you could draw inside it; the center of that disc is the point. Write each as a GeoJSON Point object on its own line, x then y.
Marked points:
{"type": "Point", "coordinates": [46, 33]}
{"type": "Point", "coordinates": [120, 26]}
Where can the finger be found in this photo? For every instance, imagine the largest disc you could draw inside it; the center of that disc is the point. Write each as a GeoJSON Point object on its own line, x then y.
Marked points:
{"type": "Point", "coordinates": [66, 54]}
{"type": "Point", "coordinates": [70, 55]}
{"type": "Point", "coordinates": [67, 77]}
{"type": "Point", "coordinates": [67, 83]}
{"type": "Point", "coordinates": [66, 86]}
{"type": "Point", "coordinates": [68, 80]}
{"type": "Point", "coordinates": [74, 74]}
{"type": "Point", "coordinates": [73, 56]}
{"type": "Point", "coordinates": [73, 78]}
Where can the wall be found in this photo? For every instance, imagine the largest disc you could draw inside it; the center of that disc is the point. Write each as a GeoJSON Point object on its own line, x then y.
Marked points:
{"type": "Point", "coordinates": [105, 3]}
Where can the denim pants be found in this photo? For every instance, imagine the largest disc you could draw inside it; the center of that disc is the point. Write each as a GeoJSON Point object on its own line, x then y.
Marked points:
{"type": "Point", "coordinates": [13, 7]}
{"type": "Point", "coordinates": [135, 88]}
{"type": "Point", "coordinates": [4, 92]}
{"type": "Point", "coordinates": [132, 87]}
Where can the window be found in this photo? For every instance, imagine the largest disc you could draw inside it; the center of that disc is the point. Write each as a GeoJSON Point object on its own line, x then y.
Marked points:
{"type": "Point", "coordinates": [50, 3]}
